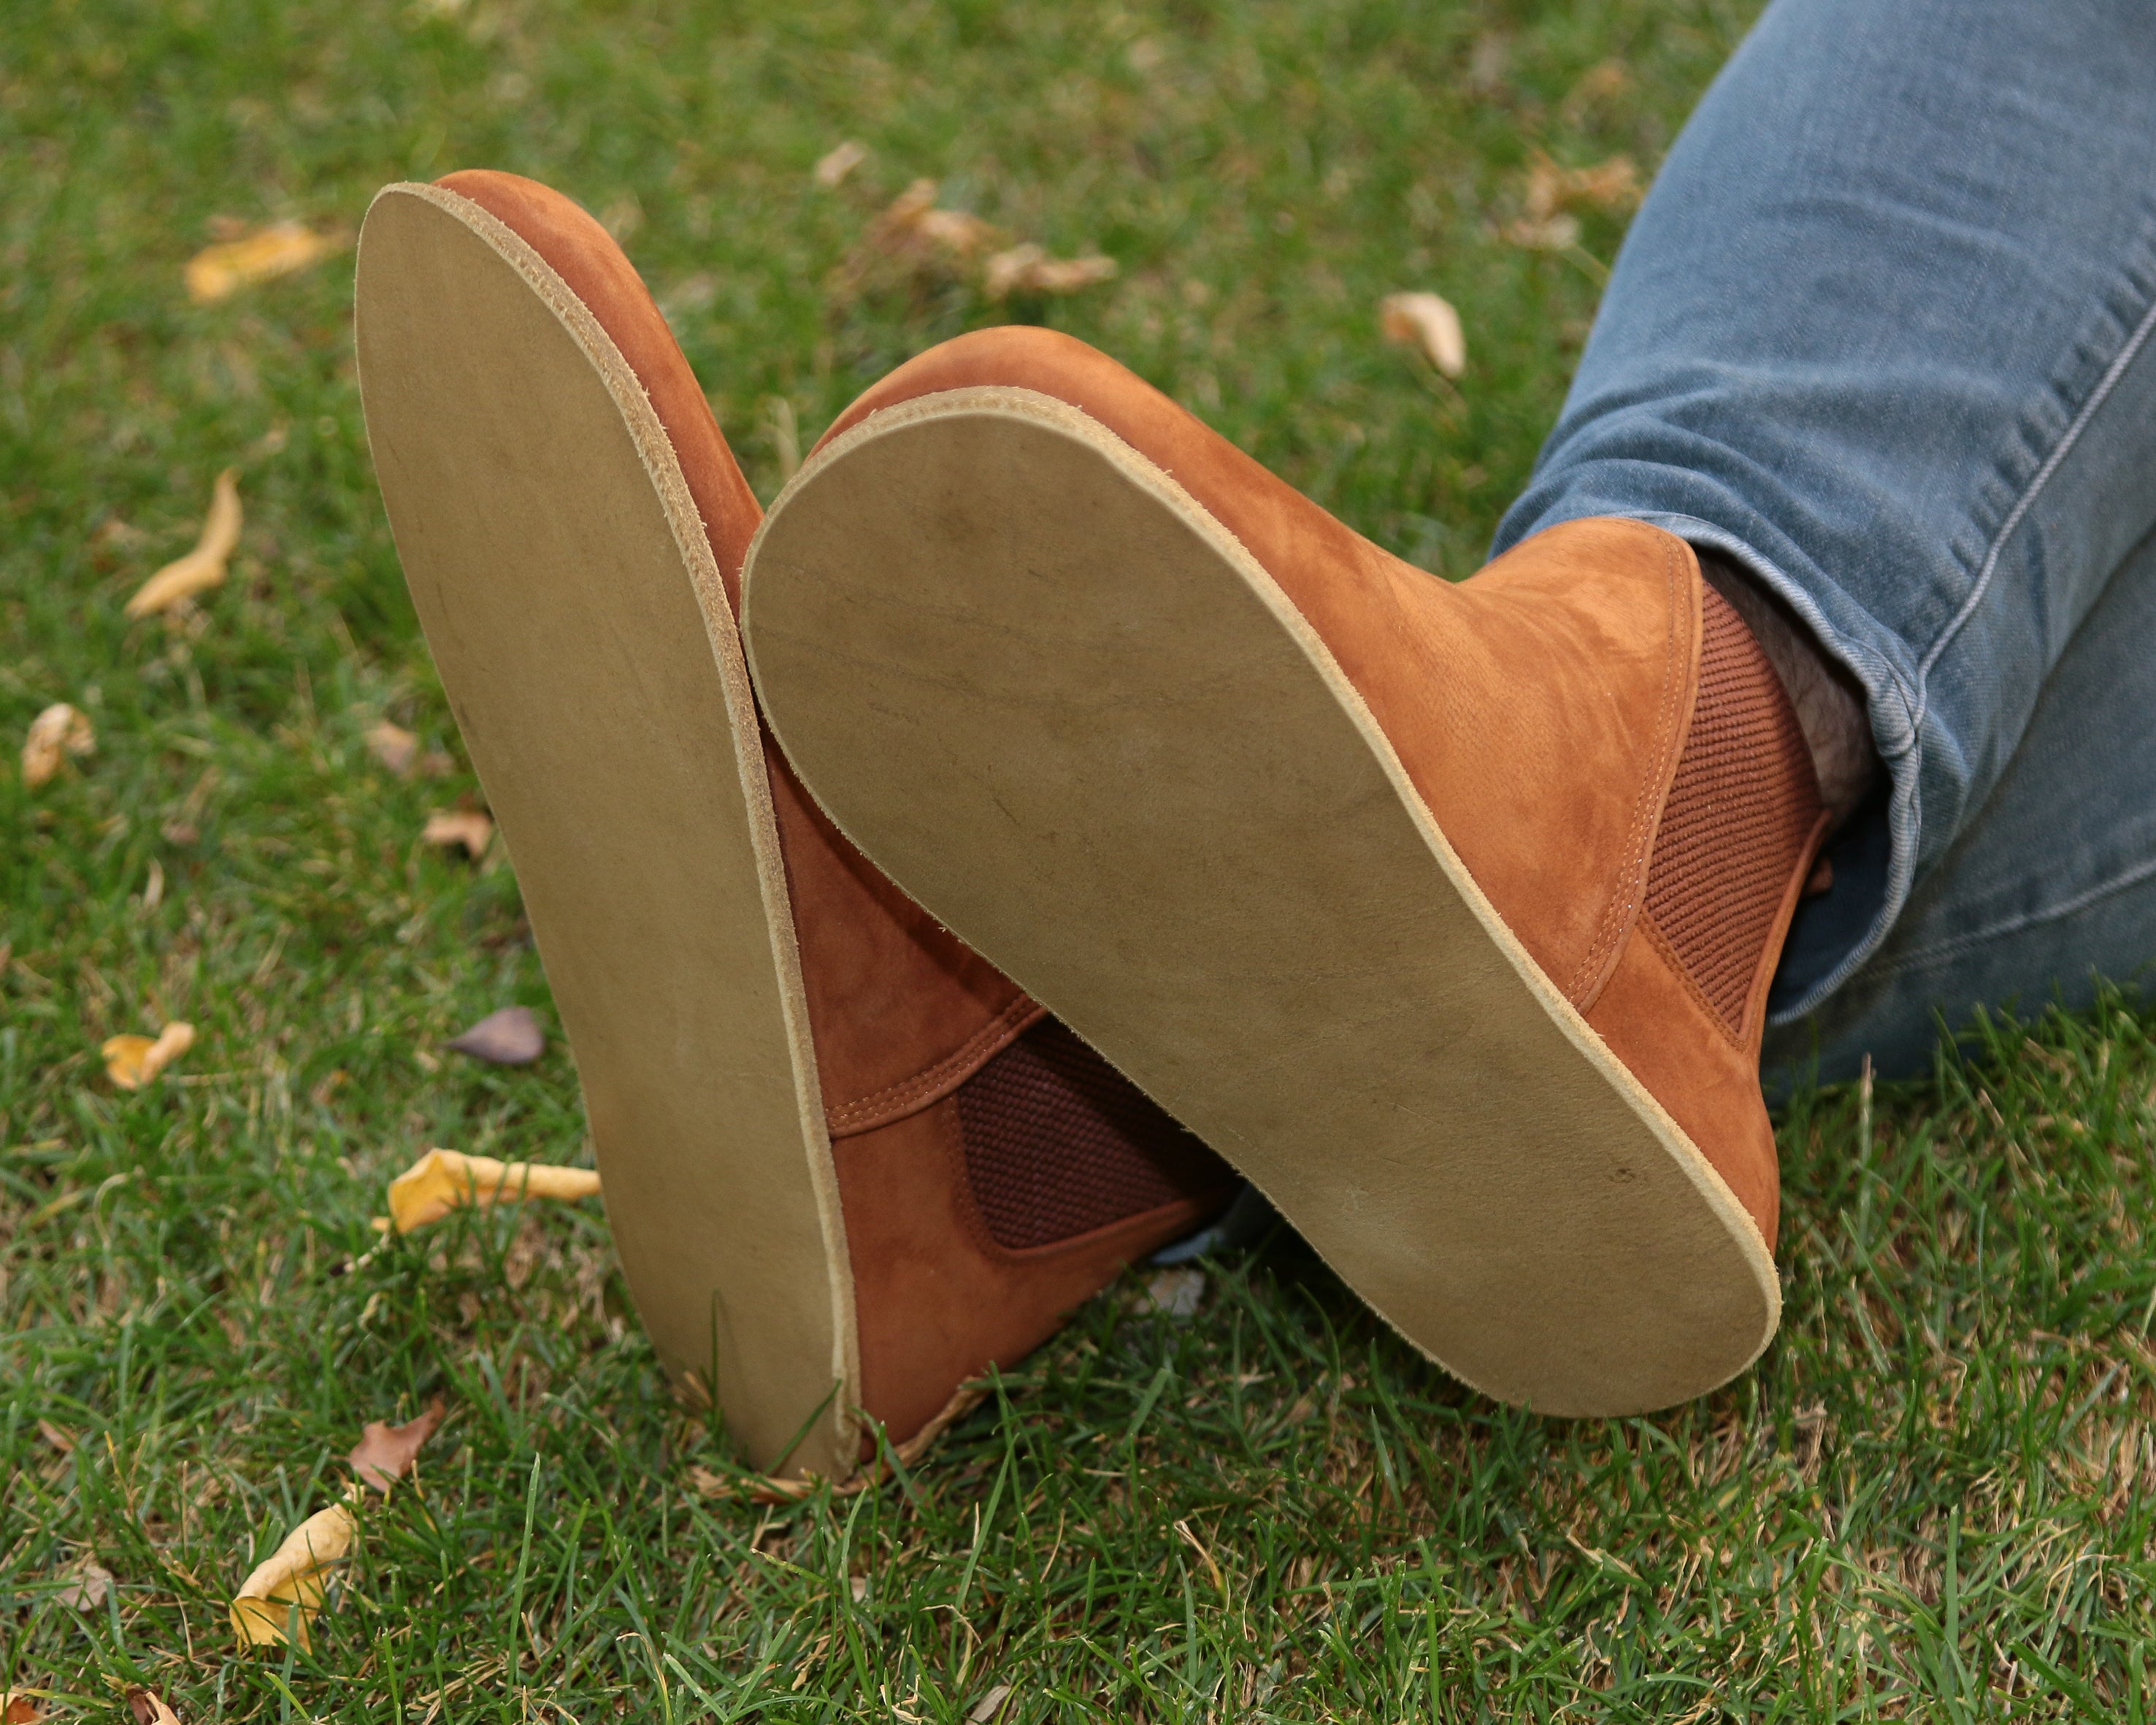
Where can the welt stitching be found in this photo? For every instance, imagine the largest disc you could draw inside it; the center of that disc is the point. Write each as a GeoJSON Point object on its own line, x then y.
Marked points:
{"type": "Point", "coordinates": [2052, 462]}
{"type": "Point", "coordinates": [1622, 905]}
{"type": "Point", "coordinates": [923, 1084]}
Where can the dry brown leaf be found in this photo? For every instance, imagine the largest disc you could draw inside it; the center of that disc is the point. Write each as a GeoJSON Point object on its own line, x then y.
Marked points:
{"type": "Point", "coordinates": [54, 734]}
{"type": "Point", "coordinates": [1028, 269]}
{"type": "Point", "coordinates": [833, 167]}
{"type": "Point", "coordinates": [19, 1706]}
{"type": "Point", "coordinates": [385, 1453]}
{"type": "Point", "coordinates": [1175, 1292]}
{"type": "Point", "coordinates": [1555, 232]}
{"type": "Point", "coordinates": [470, 827]}
{"type": "Point", "coordinates": [130, 1062]}
{"type": "Point", "coordinates": [393, 746]}
{"type": "Point", "coordinates": [990, 1705]}
{"type": "Point", "coordinates": [509, 1037]}
{"type": "Point", "coordinates": [1554, 192]}
{"type": "Point", "coordinates": [149, 1707]}
{"type": "Point", "coordinates": [1427, 321]}
{"type": "Point", "coordinates": [217, 271]}
{"type": "Point", "coordinates": [1598, 86]}
{"type": "Point", "coordinates": [913, 241]}
{"type": "Point", "coordinates": [445, 1180]}
{"type": "Point", "coordinates": [203, 567]}
{"type": "Point", "coordinates": [279, 1600]}
{"type": "Point", "coordinates": [912, 221]}
{"type": "Point", "coordinates": [1613, 185]}
{"type": "Point", "coordinates": [59, 1436]}
{"type": "Point", "coordinates": [91, 1588]}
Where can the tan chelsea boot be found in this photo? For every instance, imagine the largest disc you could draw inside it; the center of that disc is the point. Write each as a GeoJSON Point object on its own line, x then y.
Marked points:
{"type": "Point", "coordinates": [847, 1163]}
{"type": "Point", "coordinates": [1446, 914]}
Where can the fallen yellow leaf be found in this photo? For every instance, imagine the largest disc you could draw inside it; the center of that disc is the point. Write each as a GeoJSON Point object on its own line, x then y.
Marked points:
{"type": "Point", "coordinates": [445, 1180]}
{"type": "Point", "coordinates": [278, 1601]}
{"type": "Point", "coordinates": [203, 567]}
{"type": "Point", "coordinates": [54, 734]}
{"type": "Point", "coordinates": [217, 271]}
{"type": "Point", "coordinates": [1028, 269]}
{"type": "Point", "coordinates": [467, 827]}
{"type": "Point", "coordinates": [1425, 321]}
{"type": "Point", "coordinates": [130, 1062]}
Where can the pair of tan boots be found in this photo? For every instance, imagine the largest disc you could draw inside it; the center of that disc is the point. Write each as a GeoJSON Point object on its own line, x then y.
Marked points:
{"type": "Point", "coordinates": [1443, 914]}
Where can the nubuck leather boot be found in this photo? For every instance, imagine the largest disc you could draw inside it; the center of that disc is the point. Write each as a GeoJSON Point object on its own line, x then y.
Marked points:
{"type": "Point", "coordinates": [848, 1164]}
{"type": "Point", "coordinates": [1446, 912]}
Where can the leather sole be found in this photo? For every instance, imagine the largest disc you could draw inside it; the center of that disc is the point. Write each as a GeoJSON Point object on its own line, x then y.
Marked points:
{"type": "Point", "coordinates": [572, 607]}
{"type": "Point", "coordinates": [1046, 692]}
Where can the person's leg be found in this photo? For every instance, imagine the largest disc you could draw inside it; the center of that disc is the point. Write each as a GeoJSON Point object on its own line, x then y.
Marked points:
{"type": "Point", "coordinates": [1882, 337]}
{"type": "Point", "coordinates": [2053, 881]}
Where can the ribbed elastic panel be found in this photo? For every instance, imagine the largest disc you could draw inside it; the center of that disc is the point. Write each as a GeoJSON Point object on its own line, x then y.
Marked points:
{"type": "Point", "coordinates": [1742, 805]}
{"type": "Point", "coordinates": [1059, 1143]}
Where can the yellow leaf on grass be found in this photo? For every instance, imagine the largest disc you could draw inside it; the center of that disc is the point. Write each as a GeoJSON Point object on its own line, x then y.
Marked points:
{"type": "Point", "coordinates": [203, 567]}
{"type": "Point", "coordinates": [445, 1180]}
{"type": "Point", "coordinates": [217, 271]}
{"type": "Point", "coordinates": [278, 1601]}
{"type": "Point", "coordinates": [1028, 269]}
{"type": "Point", "coordinates": [468, 827]}
{"type": "Point", "coordinates": [54, 734]}
{"type": "Point", "coordinates": [130, 1062]}
{"type": "Point", "coordinates": [1425, 321]}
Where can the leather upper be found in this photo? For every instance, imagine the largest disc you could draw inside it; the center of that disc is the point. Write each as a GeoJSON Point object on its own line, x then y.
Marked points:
{"type": "Point", "coordinates": [1540, 709]}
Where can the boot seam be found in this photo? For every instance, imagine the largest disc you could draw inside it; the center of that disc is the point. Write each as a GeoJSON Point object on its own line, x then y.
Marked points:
{"type": "Point", "coordinates": [932, 1083]}
{"type": "Point", "coordinates": [1627, 905]}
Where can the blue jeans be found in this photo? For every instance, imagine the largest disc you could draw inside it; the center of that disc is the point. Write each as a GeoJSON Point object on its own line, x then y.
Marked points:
{"type": "Point", "coordinates": [1884, 332]}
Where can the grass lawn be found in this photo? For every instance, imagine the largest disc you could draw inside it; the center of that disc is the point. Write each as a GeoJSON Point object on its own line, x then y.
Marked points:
{"type": "Point", "coordinates": [1931, 1500]}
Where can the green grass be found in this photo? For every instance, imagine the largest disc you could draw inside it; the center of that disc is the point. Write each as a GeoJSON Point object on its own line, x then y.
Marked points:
{"type": "Point", "coordinates": [1931, 1500]}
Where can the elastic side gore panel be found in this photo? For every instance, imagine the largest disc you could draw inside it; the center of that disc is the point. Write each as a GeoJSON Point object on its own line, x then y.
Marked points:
{"type": "Point", "coordinates": [1742, 805]}
{"type": "Point", "coordinates": [1058, 1143]}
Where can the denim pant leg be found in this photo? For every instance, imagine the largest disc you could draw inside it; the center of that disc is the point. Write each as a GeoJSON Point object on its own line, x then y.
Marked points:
{"type": "Point", "coordinates": [1882, 332]}
{"type": "Point", "coordinates": [2053, 882]}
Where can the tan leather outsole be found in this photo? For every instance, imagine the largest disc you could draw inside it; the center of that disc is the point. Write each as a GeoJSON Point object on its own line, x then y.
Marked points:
{"type": "Point", "coordinates": [1049, 694]}
{"type": "Point", "coordinates": [573, 608]}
